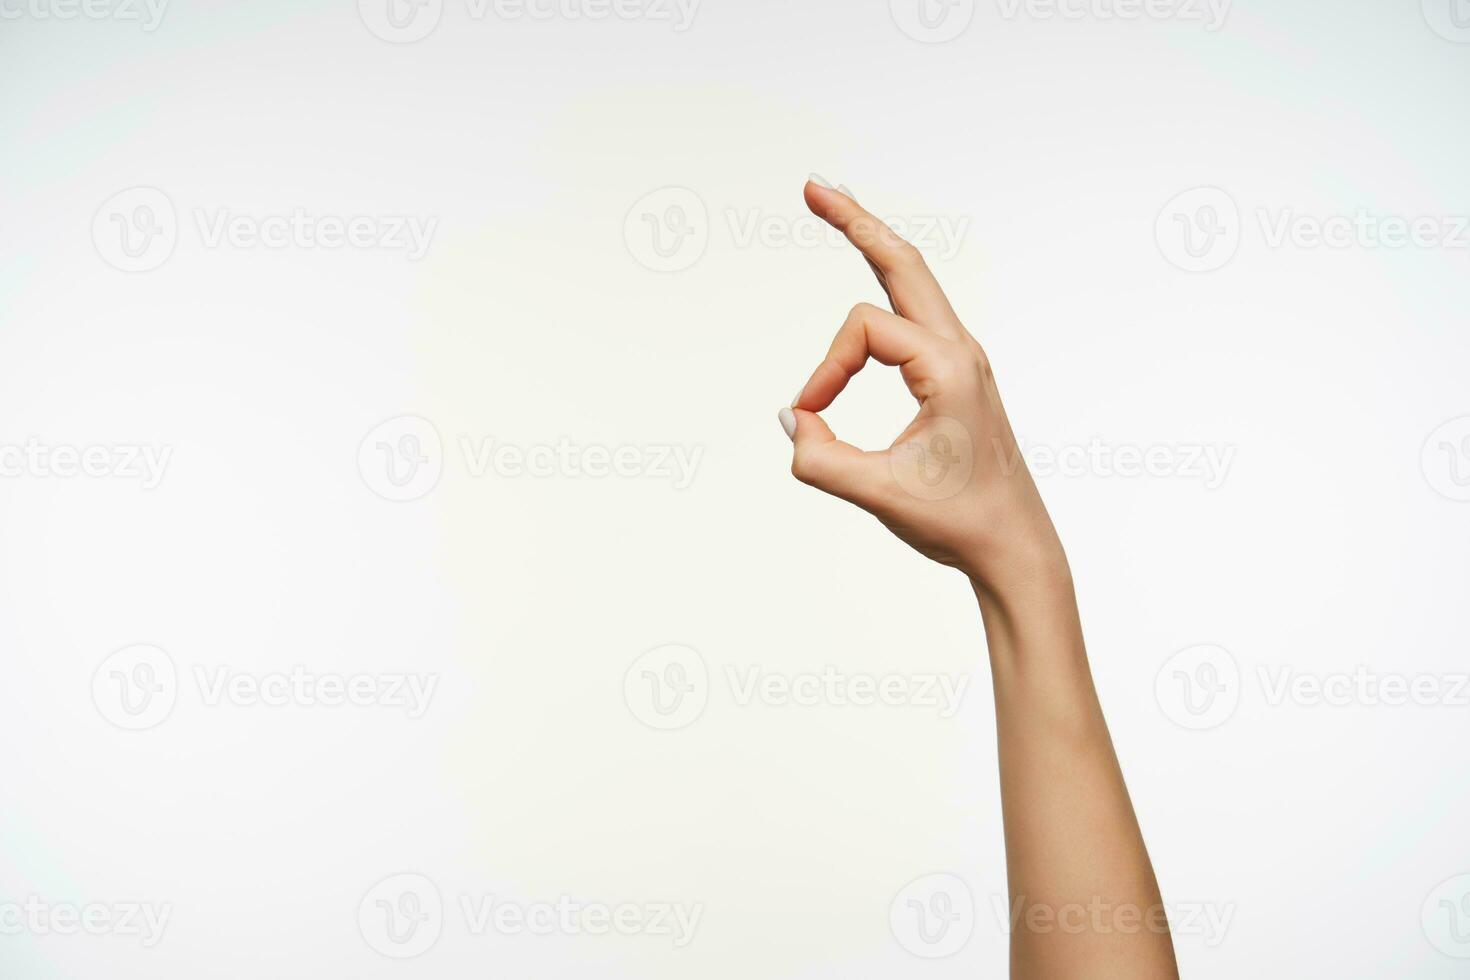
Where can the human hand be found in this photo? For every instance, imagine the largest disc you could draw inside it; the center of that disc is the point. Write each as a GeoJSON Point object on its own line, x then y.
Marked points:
{"type": "Point", "coordinates": [953, 485]}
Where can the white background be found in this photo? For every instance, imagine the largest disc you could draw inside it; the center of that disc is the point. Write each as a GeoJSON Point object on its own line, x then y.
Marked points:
{"type": "Point", "coordinates": [1334, 541]}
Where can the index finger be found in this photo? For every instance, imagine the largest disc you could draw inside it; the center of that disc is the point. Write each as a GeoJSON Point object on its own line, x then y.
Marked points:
{"type": "Point", "coordinates": [913, 288]}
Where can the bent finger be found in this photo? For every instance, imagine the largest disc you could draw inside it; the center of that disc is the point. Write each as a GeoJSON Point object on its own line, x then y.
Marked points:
{"type": "Point", "coordinates": [870, 332]}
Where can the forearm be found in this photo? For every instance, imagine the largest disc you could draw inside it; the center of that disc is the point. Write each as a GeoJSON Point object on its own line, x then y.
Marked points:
{"type": "Point", "coordinates": [1083, 899]}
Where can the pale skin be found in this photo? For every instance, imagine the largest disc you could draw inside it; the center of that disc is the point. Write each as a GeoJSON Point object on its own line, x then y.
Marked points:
{"type": "Point", "coordinates": [1077, 868]}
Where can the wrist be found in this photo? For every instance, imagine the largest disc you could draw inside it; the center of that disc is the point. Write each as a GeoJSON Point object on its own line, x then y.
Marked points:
{"type": "Point", "coordinates": [1019, 559]}
{"type": "Point", "coordinates": [1029, 605]}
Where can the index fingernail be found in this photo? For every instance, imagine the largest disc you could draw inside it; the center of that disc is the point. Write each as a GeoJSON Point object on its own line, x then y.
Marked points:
{"type": "Point", "coordinates": [788, 422]}
{"type": "Point", "coordinates": [820, 181]}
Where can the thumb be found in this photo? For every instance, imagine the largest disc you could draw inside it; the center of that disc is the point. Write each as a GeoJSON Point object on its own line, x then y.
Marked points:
{"type": "Point", "coordinates": [821, 460]}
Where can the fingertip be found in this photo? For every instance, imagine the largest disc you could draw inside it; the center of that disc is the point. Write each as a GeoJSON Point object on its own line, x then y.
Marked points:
{"type": "Point", "coordinates": [813, 193]}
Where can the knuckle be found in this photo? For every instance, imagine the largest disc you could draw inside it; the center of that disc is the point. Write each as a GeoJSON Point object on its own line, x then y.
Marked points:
{"type": "Point", "coordinates": [982, 362]}
{"type": "Point", "coordinates": [908, 254]}
{"type": "Point", "coordinates": [801, 467]}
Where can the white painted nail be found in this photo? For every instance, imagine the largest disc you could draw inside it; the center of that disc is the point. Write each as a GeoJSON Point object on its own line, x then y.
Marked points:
{"type": "Point", "coordinates": [843, 189]}
{"type": "Point", "coordinates": [798, 396]}
{"type": "Point", "coordinates": [788, 422]}
{"type": "Point", "coordinates": [820, 181]}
